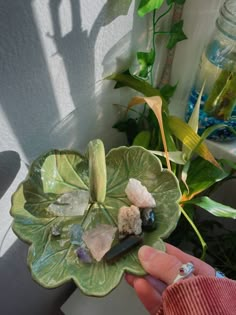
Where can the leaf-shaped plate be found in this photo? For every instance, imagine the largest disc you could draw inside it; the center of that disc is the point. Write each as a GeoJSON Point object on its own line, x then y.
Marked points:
{"type": "Point", "coordinates": [53, 259]}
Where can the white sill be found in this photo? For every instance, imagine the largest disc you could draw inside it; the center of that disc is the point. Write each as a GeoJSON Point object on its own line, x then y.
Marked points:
{"type": "Point", "coordinates": [225, 150]}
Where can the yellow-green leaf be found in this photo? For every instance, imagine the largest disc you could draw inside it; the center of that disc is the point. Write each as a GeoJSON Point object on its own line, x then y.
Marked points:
{"type": "Point", "coordinates": [155, 103]}
{"type": "Point", "coordinates": [190, 139]}
{"type": "Point", "coordinates": [142, 139]}
{"type": "Point", "coordinates": [194, 118]}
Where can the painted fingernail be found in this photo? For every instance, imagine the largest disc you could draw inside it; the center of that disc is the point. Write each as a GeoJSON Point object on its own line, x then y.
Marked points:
{"type": "Point", "coordinates": [146, 253]}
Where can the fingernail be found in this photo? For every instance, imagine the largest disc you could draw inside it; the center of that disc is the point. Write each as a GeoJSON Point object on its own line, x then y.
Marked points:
{"type": "Point", "coordinates": [146, 253]}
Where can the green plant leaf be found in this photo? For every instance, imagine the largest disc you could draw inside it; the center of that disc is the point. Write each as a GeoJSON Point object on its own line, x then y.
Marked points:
{"type": "Point", "coordinates": [139, 85]}
{"type": "Point", "coordinates": [184, 173]}
{"type": "Point", "coordinates": [189, 138]}
{"type": "Point", "coordinates": [143, 139]}
{"type": "Point", "coordinates": [145, 60]}
{"type": "Point", "coordinates": [169, 2]}
{"type": "Point", "coordinates": [202, 175]}
{"type": "Point", "coordinates": [193, 120]}
{"type": "Point", "coordinates": [167, 91]}
{"type": "Point", "coordinates": [147, 6]}
{"type": "Point", "coordinates": [52, 259]}
{"type": "Point", "coordinates": [126, 79]}
{"type": "Point", "coordinates": [169, 138]}
{"type": "Point", "coordinates": [215, 208]}
{"type": "Point", "coordinates": [176, 34]}
{"type": "Point", "coordinates": [175, 156]}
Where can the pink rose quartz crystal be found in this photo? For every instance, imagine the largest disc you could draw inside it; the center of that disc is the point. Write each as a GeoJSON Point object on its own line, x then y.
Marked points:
{"type": "Point", "coordinates": [99, 240]}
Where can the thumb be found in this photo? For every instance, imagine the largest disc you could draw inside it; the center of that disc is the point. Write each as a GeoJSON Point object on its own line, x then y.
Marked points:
{"type": "Point", "coordinates": [160, 265]}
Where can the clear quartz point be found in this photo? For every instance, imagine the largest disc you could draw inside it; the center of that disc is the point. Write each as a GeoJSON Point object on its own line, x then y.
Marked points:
{"type": "Point", "coordinates": [73, 203]}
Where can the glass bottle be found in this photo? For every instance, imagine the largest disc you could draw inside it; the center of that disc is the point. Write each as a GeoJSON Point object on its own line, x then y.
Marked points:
{"type": "Point", "coordinates": [217, 72]}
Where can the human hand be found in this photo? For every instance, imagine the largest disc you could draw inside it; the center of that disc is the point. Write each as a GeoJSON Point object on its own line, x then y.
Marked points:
{"type": "Point", "coordinates": [162, 269]}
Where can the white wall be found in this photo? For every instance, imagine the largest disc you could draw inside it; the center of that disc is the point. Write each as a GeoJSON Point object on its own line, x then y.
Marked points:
{"type": "Point", "coordinates": [53, 55]}
{"type": "Point", "coordinates": [199, 20]}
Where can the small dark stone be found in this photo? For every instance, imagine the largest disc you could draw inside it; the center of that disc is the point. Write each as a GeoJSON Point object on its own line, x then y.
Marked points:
{"type": "Point", "coordinates": [122, 248]}
{"type": "Point", "coordinates": [55, 230]}
{"type": "Point", "coordinates": [148, 218]}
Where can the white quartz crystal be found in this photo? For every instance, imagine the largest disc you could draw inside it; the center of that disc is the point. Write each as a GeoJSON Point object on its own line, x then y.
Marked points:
{"type": "Point", "coordinates": [73, 203]}
{"type": "Point", "coordinates": [99, 240]}
{"type": "Point", "coordinates": [138, 194]}
{"type": "Point", "coordinates": [129, 221]}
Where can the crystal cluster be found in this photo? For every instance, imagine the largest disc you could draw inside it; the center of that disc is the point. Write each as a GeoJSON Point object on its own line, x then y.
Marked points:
{"type": "Point", "coordinates": [138, 194]}
{"type": "Point", "coordinates": [129, 221]}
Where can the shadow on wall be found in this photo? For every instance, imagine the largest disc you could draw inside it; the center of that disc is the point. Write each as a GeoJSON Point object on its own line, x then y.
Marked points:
{"type": "Point", "coordinates": [78, 43]}
{"type": "Point", "coordinates": [91, 99]}
{"type": "Point", "coordinates": [9, 167]}
{"type": "Point", "coordinates": [27, 96]}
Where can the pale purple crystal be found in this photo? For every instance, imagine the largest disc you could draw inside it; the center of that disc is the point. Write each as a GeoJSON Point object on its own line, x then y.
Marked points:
{"type": "Point", "coordinates": [84, 255]}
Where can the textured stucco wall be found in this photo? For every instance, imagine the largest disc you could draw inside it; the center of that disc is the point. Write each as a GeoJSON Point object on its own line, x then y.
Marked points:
{"type": "Point", "coordinates": [52, 55]}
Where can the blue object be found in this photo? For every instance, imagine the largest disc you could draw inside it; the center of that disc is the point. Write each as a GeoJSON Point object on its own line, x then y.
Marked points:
{"type": "Point", "coordinates": [220, 274]}
{"type": "Point", "coordinates": [205, 121]}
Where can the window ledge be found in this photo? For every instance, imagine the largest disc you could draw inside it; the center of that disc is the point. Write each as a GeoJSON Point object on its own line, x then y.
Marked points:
{"type": "Point", "coordinates": [226, 150]}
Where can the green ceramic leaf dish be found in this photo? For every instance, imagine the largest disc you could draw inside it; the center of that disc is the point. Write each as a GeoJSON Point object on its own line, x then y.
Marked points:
{"type": "Point", "coordinates": [53, 260]}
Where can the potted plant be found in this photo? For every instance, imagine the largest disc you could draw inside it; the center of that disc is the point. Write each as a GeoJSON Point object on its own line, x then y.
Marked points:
{"type": "Point", "coordinates": [176, 142]}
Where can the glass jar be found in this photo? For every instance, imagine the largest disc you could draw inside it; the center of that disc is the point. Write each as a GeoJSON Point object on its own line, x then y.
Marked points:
{"type": "Point", "coordinates": [217, 72]}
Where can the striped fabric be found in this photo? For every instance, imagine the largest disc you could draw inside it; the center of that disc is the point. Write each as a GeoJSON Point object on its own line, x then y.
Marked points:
{"type": "Point", "coordinates": [200, 296]}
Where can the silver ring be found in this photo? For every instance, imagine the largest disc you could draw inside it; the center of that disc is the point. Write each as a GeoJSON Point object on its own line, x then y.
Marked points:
{"type": "Point", "coordinates": [219, 274]}
{"type": "Point", "coordinates": [184, 271]}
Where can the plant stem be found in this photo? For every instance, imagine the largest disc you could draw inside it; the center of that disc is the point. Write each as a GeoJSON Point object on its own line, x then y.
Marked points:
{"type": "Point", "coordinates": [153, 44]}
{"type": "Point", "coordinates": [203, 243]}
{"type": "Point", "coordinates": [161, 33]}
{"type": "Point", "coordinates": [162, 15]}
{"type": "Point", "coordinates": [154, 33]}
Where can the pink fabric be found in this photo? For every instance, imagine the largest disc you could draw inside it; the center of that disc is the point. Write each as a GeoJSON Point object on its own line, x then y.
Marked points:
{"type": "Point", "coordinates": [200, 296]}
